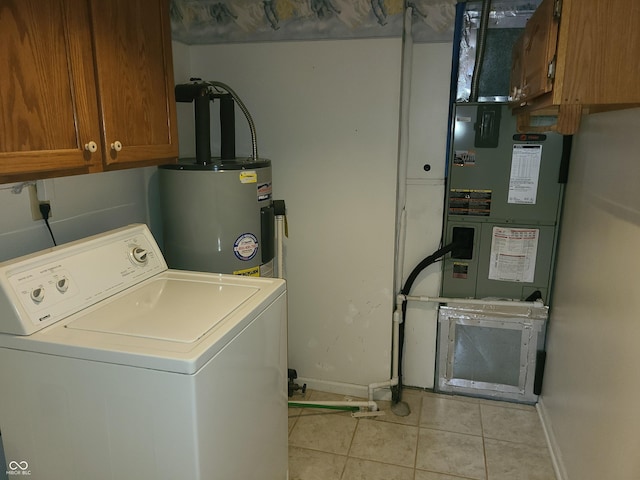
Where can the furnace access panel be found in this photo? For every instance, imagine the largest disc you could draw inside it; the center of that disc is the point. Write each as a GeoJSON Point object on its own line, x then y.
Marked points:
{"type": "Point", "coordinates": [504, 196]}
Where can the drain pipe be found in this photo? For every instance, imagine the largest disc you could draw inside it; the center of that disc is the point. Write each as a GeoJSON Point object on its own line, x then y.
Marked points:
{"type": "Point", "coordinates": [395, 378]}
{"type": "Point", "coordinates": [400, 408]}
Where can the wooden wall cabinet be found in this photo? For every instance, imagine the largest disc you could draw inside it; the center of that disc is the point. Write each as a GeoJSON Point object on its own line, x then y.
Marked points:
{"type": "Point", "coordinates": [575, 57]}
{"type": "Point", "coordinates": [87, 86]}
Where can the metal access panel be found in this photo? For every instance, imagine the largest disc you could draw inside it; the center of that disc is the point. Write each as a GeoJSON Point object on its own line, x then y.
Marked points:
{"type": "Point", "coordinates": [504, 196]}
{"type": "Point", "coordinates": [490, 351]}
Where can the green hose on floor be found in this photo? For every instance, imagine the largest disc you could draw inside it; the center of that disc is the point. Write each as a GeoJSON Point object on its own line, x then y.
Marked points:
{"type": "Point", "coordinates": [328, 407]}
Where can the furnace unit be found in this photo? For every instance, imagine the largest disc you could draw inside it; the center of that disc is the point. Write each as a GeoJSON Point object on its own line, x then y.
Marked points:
{"type": "Point", "coordinates": [502, 210]}
{"type": "Point", "coordinates": [504, 197]}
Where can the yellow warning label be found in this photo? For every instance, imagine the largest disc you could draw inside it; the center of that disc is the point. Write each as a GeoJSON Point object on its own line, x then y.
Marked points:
{"type": "Point", "coordinates": [248, 176]}
{"type": "Point", "coordinates": [248, 272]}
{"type": "Point", "coordinates": [466, 190]}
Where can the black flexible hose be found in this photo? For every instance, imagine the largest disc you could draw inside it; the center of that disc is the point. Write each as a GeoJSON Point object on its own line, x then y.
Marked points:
{"type": "Point", "coordinates": [396, 391]}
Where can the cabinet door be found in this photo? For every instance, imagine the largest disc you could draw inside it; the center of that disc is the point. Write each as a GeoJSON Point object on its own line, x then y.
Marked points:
{"type": "Point", "coordinates": [132, 48]}
{"type": "Point", "coordinates": [539, 49]}
{"type": "Point", "coordinates": [48, 109]}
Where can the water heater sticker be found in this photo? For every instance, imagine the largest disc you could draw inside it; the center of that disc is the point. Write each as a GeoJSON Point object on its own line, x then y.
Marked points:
{"type": "Point", "coordinates": [248, 176]}
{"type": "Point", "coordinates": [513, 254]}
{"type": "Point", "coordinates": [264, 191]}
{"type": "Point", "coordinates": [464, 158]}
{"type": "Point", "coordinates": [525, 172]}
{"type": "Point", "coordinates": [475, 203]}
{"type": "Point", "coordinates": [248, 272]}
{"type": "Point", "coordinates": [246, 246]}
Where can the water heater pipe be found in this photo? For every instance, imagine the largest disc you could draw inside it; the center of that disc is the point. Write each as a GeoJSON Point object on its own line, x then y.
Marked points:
{"type": "Point", "coordinates": [245, 111]}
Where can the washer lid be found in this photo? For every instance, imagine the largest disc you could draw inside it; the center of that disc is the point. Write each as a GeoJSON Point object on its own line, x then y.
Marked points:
{"type": "Point", "coordinates": [171, 309]}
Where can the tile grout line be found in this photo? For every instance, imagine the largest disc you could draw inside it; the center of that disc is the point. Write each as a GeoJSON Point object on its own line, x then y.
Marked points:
{"type": "Point", "coordinates": [415, 457]}
{"type": "Point", "coordinates": [484, 445]}
{"type": "Point", "coordinates": [353, 436]}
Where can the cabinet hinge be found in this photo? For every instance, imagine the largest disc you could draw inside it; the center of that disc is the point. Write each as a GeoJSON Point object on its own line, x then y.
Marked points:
{"type": "Point", "coordinates": [557, 9]}
{"type": "Point", "coordinates": [551, 69]}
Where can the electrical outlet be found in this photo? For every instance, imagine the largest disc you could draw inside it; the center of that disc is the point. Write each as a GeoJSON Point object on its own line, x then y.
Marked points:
{"type": "Point", "coordinates": [35, 203]}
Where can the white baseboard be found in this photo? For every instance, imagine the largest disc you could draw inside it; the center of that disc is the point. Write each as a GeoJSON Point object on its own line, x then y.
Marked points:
{"type": "Point", "coordinates": [347, 389]}
{"type": "Point", "coordinates": [556, 456]}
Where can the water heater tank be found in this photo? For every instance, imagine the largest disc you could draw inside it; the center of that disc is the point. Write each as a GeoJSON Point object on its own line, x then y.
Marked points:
{"type": "Point", "coordinates": [218, 217]}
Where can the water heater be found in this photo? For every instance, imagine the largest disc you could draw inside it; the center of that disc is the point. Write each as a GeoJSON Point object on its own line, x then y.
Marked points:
{"type": "Point", "coordinates": [217, 212]}
{"type": "Point", "coordinates": [218, 217]}
{"type": "Point", "coordinates": [504, 198]}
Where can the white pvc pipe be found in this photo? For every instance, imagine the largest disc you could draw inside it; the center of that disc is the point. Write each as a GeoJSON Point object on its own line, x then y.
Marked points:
{"type": "Point", "coordinates": [397, 319]}
{"type": "Point", "coordinates": [393, 381]}
{"type": "Point", "coordinates": [373, 406]}
{"type": "Point", "coordinates": [401, 193]}
{"type": "Point", "coordinates": [474, 301]}
{"type": "Point", "coordinates": [403, 146]}
{"type": "Point", "coordinates": [279, 245]}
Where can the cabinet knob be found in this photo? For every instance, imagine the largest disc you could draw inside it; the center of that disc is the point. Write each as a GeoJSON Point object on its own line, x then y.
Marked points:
{"type": "Point", "coordinates": [117, 146]}
{"type": "Point", "coordinates": [91, 147]}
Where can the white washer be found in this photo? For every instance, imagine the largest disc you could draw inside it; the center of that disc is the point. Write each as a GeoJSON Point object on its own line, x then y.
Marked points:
{"type": "Point", "coordinates": [114, 367]}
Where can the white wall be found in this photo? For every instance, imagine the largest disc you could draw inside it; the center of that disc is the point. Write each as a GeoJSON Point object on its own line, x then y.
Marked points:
{"type": "Point", "coordinates": [326, 114]}
{"type": "Point", "coordinates": [591, 385]}
{"type": "Point", "coordinates": [81, 205]}
{"type": "Point", "coordinates": [428, 129]}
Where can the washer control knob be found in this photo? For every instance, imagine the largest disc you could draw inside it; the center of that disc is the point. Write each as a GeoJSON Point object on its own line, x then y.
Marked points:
{"type": "Point", "coordinates": [62, 284]}
{"type": "Point", "coordinates": [139, 255]}
{"type": "Point", "coordinates": [37, 294]}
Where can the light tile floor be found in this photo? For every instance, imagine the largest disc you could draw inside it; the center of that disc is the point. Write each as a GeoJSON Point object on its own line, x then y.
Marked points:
{"type": "Point", "coordinates": [444, 438]}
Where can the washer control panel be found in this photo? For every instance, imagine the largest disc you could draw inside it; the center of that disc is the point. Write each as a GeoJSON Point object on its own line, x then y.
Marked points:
{"type": "Point", "coordinates": [45, 287]}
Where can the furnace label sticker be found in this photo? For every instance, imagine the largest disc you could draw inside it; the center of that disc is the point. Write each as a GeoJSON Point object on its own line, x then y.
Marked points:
{"type": "Point", "coordinates": [525, 173]}
{"type": "Point", "coordinates": [464, 158]}
{"type": "Point", "coordinates": [246, 246]}
{"type": "Point", "coordinates": [248, 176]}
{"type": "Point", "coordinates": [476, 203]}
{"type": "Point", "coordinates": [513, 254]}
